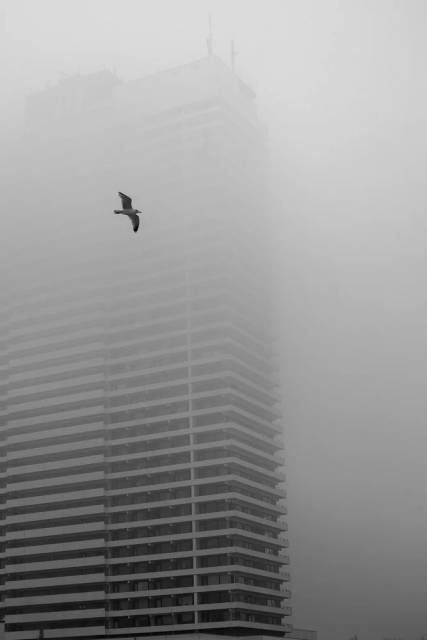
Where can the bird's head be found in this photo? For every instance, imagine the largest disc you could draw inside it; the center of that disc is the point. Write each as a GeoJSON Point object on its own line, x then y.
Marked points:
{"type": "Point", "coordinates": [138, 211]}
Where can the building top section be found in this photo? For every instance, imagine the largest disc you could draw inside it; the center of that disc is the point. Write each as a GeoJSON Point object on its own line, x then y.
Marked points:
{"type": "Point", "coordinates": [102, 100]}
{"type": "Point", "coordinates": [196, 81]}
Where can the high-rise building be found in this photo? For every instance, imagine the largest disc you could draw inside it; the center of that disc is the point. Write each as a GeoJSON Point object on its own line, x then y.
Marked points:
{"type": "Point", "coordinates": [141, 438]}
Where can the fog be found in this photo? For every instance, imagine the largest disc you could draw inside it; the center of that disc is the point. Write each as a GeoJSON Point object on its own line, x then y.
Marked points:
{"type": "Point", "coordinates": [341, 88]}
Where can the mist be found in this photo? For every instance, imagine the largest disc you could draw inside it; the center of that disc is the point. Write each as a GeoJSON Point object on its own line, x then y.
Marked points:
{"type": "Point", "coordinates": [341, 89]}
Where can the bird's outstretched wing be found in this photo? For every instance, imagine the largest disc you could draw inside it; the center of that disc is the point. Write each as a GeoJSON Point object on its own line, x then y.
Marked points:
{"type": "Point", "coordinates": [126, 201]}
{"type": "Point", "coordinates": [135, 221]}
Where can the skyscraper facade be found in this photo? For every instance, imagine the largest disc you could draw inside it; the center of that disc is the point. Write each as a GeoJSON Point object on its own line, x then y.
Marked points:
{"type": "Point", "coordinates": [142, 465]}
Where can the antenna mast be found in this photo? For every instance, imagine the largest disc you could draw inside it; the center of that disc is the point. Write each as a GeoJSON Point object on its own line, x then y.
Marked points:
{"type": "Point", "coordinates": [233, 56]}
{"type": "Point", "coordinates": [209, 39]}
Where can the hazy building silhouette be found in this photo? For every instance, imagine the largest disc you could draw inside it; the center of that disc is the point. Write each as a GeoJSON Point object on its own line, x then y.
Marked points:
{"type": "Point", "coordinates": [141, 433]}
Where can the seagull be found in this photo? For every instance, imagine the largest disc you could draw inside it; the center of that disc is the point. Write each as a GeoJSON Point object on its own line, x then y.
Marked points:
{"type": "Point", "coordinates": [128, 210]}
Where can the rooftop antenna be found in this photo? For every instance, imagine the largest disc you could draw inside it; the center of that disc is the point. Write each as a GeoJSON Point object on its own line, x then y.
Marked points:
{"type": "Point", "coordinates": [233, 56]}
{"type": "Point", "coordinates": [209, 39]}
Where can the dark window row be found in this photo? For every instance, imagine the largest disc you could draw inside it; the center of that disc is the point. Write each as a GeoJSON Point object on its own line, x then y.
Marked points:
{"type": "Point", "coordinates": [225, 559]}
{"type": "Point", "coordinates": [152, 566]}
{"type": "Point", "coordinates": [150, 463]}
{"type": "Point", "coordinates": [155, 427]}
{"type": "Point", "coordinates": [142, 446]}
{"type": "Point", "coordinates": [152, 531]}
{"type": "Point", "coordinates": [150, 514]}
{"type": "Point", "coordinates": [152, 548]}
{"type": "Point", "coordinates": [151, 496]}
{"type": "Point", "coordinates": [145, 413]}
{"type": "Point", "coordinates": [154, 602]}
{"type": "Point", "coordinates": [153, 584]}
{"type": "Point", "coordinates": [152, 621]}
{"type": "Point", "coordinates": [162, 477]}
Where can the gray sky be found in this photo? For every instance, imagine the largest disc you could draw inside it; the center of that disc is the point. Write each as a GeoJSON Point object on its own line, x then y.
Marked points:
{"type": "Point", "coordinates": [342, 87]}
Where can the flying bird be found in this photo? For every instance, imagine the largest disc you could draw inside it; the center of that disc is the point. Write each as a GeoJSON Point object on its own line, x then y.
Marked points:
{"type": "Point", "coordinates": [128, 210]}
